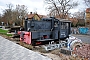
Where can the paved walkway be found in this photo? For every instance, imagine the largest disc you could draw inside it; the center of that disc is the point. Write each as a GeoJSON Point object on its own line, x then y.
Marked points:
{"type": "Point", "coordinates": [84, 38]}
{"type": "Point", "coordinates": [11, 51]}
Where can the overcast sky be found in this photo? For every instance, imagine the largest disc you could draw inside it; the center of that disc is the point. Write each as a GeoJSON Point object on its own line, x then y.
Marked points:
{"type": "Point", "coordinates": [80, 7]}
{"type": "Point", "coordinates": [35, 5]}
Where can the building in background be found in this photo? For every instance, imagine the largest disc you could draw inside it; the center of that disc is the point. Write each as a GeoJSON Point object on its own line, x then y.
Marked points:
{"type": "Point", "coordinates": [35, 16]}
{"type": "Point", "coordinates": [88, 16]}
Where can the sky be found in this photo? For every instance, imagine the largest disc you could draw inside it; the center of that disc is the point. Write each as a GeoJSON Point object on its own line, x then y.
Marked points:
{"type": "Point", "coordinates": [81, 7]}
{"type": "Point", "coordinates": [35, 5]}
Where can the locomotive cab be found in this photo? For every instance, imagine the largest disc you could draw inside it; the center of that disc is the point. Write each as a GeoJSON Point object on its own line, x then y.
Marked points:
{"type": "Point", "coordinates": [65, 29]}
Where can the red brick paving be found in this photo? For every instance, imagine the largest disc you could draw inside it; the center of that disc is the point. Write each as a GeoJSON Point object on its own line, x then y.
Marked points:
{"type": "Point", "coordinates": [83, 51]}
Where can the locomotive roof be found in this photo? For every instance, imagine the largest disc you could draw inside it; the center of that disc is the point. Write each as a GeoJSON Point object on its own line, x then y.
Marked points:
{"type": "Point", "coordinates": [64, 20]}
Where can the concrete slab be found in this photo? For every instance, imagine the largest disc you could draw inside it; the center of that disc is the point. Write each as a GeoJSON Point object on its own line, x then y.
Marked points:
{"type": "Point", "coordinates": [11, 51]}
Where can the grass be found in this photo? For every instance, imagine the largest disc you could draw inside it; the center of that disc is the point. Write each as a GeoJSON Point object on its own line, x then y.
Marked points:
{"type": "Point", "coordinates": [4, 32]}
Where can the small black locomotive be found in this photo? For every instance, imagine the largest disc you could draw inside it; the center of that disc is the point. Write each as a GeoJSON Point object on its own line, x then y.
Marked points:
{"type": "Point", "coordinates": [46, 30]}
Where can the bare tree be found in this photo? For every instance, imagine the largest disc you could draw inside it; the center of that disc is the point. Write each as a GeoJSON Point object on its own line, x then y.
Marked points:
{"type": "Point", "coordinates": [87, 2]}
{"type": "Point", "coordinates": [7, 14]}
{"type": "Point", "coordinates": [14, 16]}
{"type": "Point", "coordinates": [0, 19]}
{"type": "Point", "coordinates": [60, 7]}
{"type": "Point", "coordinates": [79, 15]}
{"type": "Point", "coordinates": [21, 11]}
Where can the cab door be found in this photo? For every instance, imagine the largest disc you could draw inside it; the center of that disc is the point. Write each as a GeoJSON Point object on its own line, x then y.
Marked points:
{"type": "Point", "coordinates": [55, 30]}
{"type": "Point", "coordinates": [64, 27]}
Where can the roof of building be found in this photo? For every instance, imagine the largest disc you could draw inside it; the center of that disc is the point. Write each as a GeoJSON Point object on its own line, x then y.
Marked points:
{"type": "Point", "coordinates": [87, 10]}
{"type": "Point", "coordinates": [30, 16]}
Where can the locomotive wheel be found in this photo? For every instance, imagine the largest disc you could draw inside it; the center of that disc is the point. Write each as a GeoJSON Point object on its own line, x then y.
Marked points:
{"type": "Point", "coordinates": [76, 45]}
{"type": "Point", "coordinates": [33, 42]}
